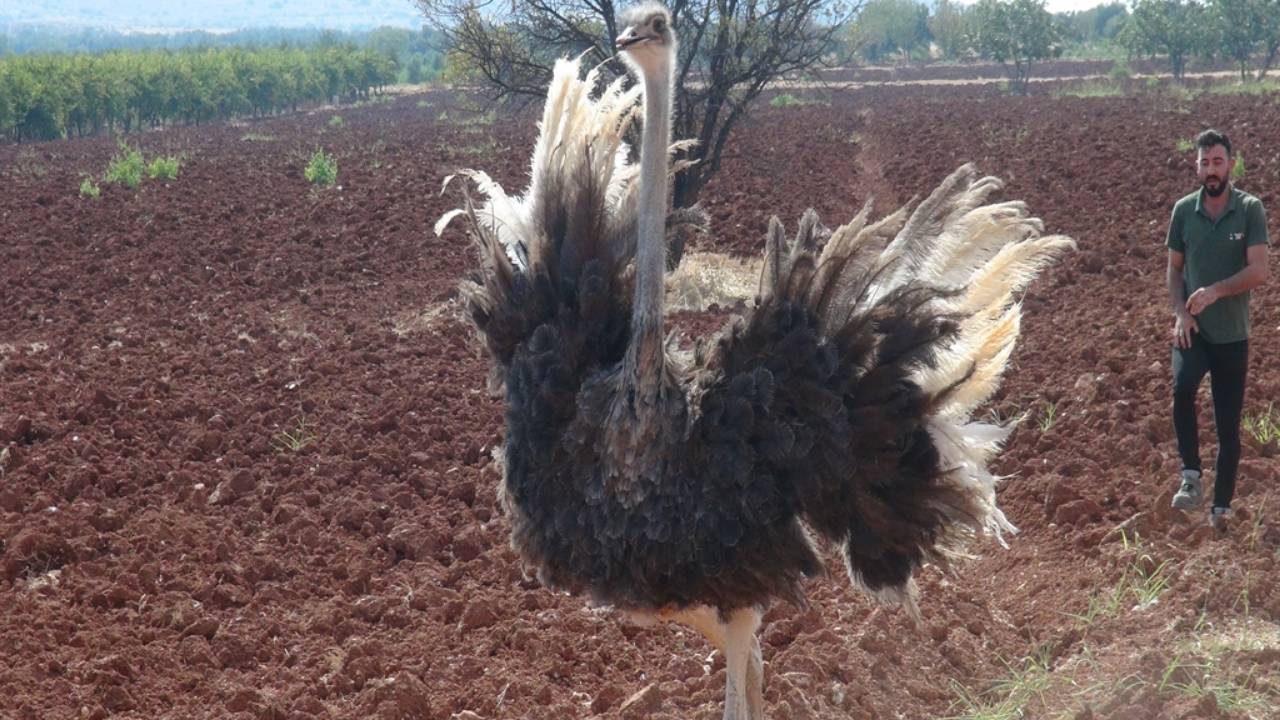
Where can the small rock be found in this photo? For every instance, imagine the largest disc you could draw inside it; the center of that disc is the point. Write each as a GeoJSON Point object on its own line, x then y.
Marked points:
{"type": "Point", "coordinates": [464, 491]}
{"type": "Point", "coordinates": [244, 699]}
{"type": "Point", "coordinates": [104, 399]}
{"type": "Point", "coordinates": [642, 704]}
{"type": "Point", "coordinates": [117, 699]}
{"type": "Point", "coordinates": [1077, 512]}
{"type": "Point", "coordinates": [9, 501]}
{"type": "Point", "coordinates": [1061, 492]}
{"type": "Point", "coordinates": [243, 482]}
{"type": "Point", "coordinates": [467, 546]}
{"type": "Point", "coordinates": [107, 521]}
{"type": "Point", "coordinates": [412, 541]}
{"type": "Point", "coordinates": [210, 442]}
{"type": "Point", "coordinates": [606, 699]}
{"type": "Point", "coordinates": [205, 627]}
{"type": "Point", "coordinates": [478, 614]}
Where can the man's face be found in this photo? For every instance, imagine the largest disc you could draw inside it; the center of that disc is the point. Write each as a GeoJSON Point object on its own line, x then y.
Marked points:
{"type": "Point", "coordinates": [1213, 168]}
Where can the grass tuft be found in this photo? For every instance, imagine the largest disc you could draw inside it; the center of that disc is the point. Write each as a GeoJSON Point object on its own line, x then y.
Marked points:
{"type": "Point", "coordinates": [1008, 697]}
{"type": "Point", "coordinates": [126, 167]}
{"type": "Point", "coordinates": [322, 169]}
{"type": "Point", "coordinates": [1252, 87]}
{"type": "Point", "coordinates": [296, 436]}
{"type": "Point", "coordinates": [1264, 425]}
{"type": "Point", "coordinates": [1096, 89]}
{"type": "Point", "coordinates": [1048, 417]}
{"type": "Point", "coordinates": [164, 168]}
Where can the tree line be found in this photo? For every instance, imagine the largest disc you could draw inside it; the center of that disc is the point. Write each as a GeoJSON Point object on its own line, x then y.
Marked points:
{"type": "Point", "coordinates": [1018, 33]}
{"type": "Point", "coordinates": [64, 95]}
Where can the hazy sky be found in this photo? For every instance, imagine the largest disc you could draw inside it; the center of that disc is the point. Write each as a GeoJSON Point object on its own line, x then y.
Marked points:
{"type": "Point", "coordinates": [213, 14]}
{"type": "Point", "coordinates": [232, 14]}
{"type": "Point", "coordinates": [1069, 5]}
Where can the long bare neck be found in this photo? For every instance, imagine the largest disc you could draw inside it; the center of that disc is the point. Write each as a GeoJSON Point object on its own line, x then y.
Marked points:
{"type": "Point", "coordinates": [645, 357]}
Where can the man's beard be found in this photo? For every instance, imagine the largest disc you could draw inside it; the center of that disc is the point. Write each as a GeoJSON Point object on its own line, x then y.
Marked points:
{"type": "Point", "coordinates": [1211, 192]}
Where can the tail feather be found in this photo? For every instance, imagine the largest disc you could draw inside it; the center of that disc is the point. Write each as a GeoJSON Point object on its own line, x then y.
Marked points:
{"type": "Point", "coordinates": [918, 311]}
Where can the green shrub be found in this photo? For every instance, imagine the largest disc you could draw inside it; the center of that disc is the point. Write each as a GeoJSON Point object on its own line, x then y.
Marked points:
{"type": "Point", "coordinates": [785, 100]}
{"type": "Point", "coordinates": [1120, 70]}
{"type": "Point", "coordinates": [164, 168]}
{"type": "Point", "coordinates": [336, 121]}
{"type": "Point", "coordinates": [1237, 168]}
{"type": "Point", "coordinates": [1185, 145]}
{"type": "Point", "coordinates": [88, 188]}
{"type": "Point", "coordinates": [322, 169]}
{"type": "Point", "coordinates": [126, 167]}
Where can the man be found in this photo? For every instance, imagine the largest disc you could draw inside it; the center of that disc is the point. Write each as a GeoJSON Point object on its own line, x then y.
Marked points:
{"type": "Point", "coordinates": [1217, 253]}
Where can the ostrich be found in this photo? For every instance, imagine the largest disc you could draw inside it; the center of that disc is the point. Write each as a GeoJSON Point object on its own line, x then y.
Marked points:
{"type": "Point", "coordinates": [696, 487]}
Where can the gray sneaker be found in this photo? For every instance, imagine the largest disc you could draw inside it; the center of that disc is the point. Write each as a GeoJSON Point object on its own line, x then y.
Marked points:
{"type": "Point", "coordinates": [1191, 493]}
{"type": "Point", "coordinates": [1218, 519]}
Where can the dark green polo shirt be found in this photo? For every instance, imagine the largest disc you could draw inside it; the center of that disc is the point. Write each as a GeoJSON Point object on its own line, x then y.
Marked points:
{"type": "Point", "coordinates": [1214, 250]}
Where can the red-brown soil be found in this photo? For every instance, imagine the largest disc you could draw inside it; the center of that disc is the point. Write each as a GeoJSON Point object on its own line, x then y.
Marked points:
{"type": "Point", "coordinates": [247, 474]}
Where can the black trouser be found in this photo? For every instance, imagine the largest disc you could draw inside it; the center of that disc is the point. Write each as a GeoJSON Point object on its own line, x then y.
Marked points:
{"type": "Point", "coordinates": [1226, 364]}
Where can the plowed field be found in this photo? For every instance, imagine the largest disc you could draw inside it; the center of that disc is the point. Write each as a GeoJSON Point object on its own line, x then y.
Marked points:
{"type": "Point", "coordinates": [245, 443]}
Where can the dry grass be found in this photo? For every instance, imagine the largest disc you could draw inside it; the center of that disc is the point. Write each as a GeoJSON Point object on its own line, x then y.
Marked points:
{"type": "Point", "coordinates": [414, 321]}
{"type": "Point", "coordinates": [706, 279]}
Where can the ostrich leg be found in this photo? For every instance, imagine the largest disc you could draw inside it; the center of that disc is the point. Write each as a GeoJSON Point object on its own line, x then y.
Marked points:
{"type": "Point", "coordinates": [707, 622]}
{"type": "Point", "coordinates": [743, 693]}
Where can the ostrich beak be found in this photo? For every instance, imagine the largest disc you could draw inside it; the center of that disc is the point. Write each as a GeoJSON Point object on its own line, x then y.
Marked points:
{"type": "Point", "coordinates": [628, 38]}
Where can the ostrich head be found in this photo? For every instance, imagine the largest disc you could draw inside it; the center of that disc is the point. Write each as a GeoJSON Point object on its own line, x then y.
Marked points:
{"type": "Point", "coordinates": [647, 42]}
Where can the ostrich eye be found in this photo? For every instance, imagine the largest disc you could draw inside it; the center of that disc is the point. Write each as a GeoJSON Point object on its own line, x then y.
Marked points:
{"type": "Point", "coordinates": [659, 25]}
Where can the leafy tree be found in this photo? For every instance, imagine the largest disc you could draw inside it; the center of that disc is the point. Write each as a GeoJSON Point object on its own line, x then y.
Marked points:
{"type": "Point", "coordinates": [391, 42]}
{"type": "Point", "coordinates": [413, 70]}
{"type": "Point", "coordinates": [1175, 28]}
{"type": "Point", "coordinates": [1268, 33]}
{"type": "Point", "coordinates": [1016, 33]}
{"type": "Point", "coordinates": [885, 27]}
{"type": "Point", "coordinates": [730, 51]}
{"type": "Point", "coordinates": [949, 27]}
{"type": "Point", "coordinates": [1097, 24]}
{"type": "Point", "coordinates": [1239, 30]}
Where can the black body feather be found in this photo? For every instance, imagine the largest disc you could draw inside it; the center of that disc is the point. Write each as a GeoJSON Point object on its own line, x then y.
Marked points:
{"type": "Point", "coordinates": [778, 426]}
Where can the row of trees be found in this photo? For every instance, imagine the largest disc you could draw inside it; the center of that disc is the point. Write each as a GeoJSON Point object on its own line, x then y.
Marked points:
{"type": "Point", "coordinates": [1020, 32]}
{"type": "Point", "coordinates": [53, 96]}
{"type": "Point", "coordinates": [1243, 31]}
{"type": "Point", "coordinates": [910, 29]}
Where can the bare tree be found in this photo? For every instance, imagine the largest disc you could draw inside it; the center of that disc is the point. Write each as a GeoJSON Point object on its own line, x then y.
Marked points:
{"type": "Point", "coordinates": [730, 50]}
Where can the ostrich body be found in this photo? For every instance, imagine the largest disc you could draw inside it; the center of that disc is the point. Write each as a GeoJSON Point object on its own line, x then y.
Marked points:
{"type": "Point", "coordinates": [690, 488]}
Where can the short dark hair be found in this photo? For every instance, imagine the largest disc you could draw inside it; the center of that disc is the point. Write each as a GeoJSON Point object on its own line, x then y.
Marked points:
{"type": "Point", "coordinates": [1211, 137]}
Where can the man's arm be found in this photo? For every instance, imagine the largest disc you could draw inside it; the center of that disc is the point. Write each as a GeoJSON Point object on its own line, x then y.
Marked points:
{"type": "Point", "coordinates": [1183, 323]}
{"type": "Point", "coordinates": [1255, 273]}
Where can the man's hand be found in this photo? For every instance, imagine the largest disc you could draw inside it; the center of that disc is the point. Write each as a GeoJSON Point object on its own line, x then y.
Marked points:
{"type": "Point", "coordinates": [1183, 326]}
{"type": "Point", "coordinates": [1201, 299]}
